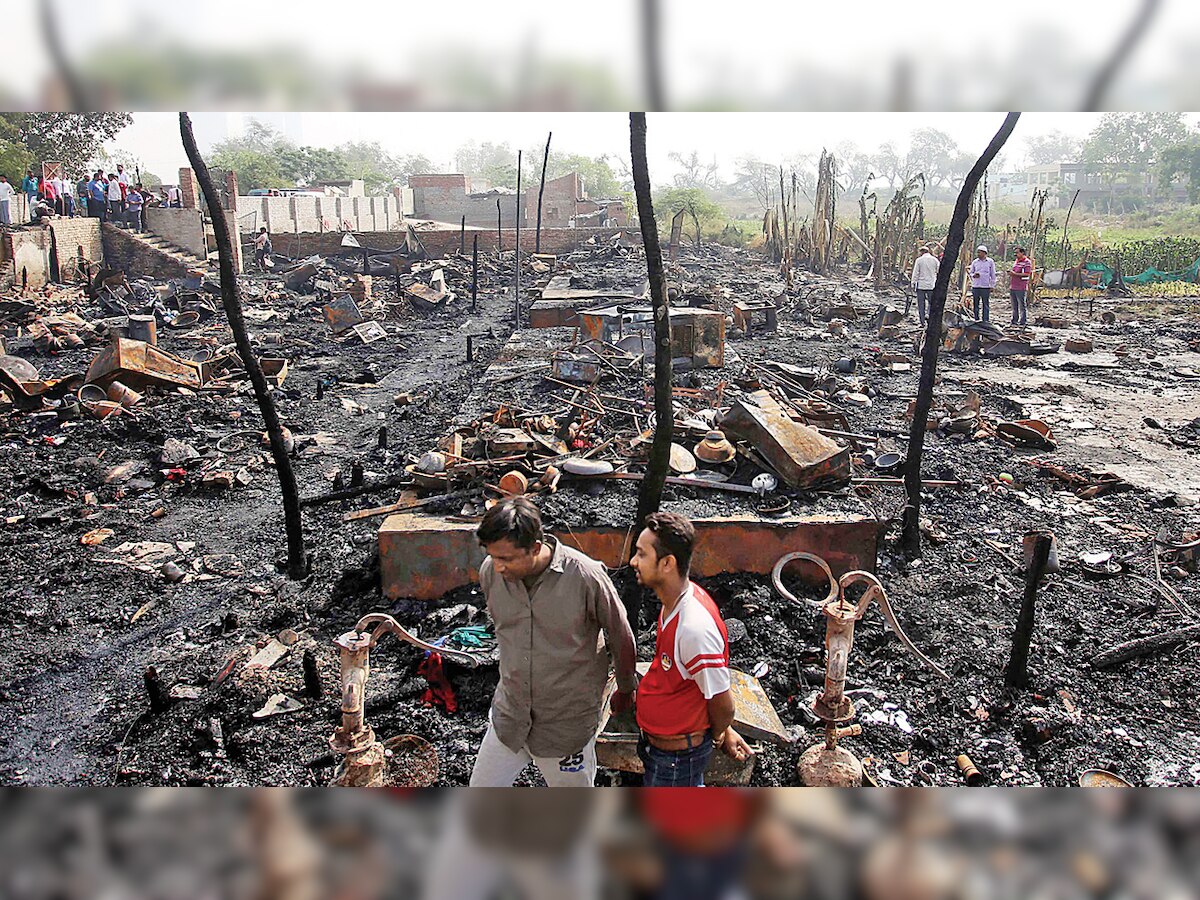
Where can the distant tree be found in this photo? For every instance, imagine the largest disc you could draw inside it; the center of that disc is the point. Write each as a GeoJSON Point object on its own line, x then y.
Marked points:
{"type": "Point", "coordinates": [699, 207]}
{"type": "Point", "coordinates": [380, 170]}
{"type": "Point", "coordinates": [255, 169]}
{"type": "Point", "coordinates": [599, 179]}
{"type": "Point", "coordinates": [15, 157]}
{"type": "Point", "coordinates": [312, 165]}
{"type": "Point", "coordinates": [889, 165]}
{"type": "Point", "coordinates": [934, 153]}
{"type": "Point", "coordinates": [1125, 144]}
{"type": "Point", "coordinates": [855, 168]}
{"type": "Point", "coordinates": [69, 138]}
{"type": "Point", "coordinates": [494, 163]}
{"type": "Point", "coordinates": [695, 173]}
{"type": "Point", "coordinates": [756, 178]}
{"type": "Point", "coordinates": [1054, 147]}
{"type": "Point", "coordinates": [1182, 160]}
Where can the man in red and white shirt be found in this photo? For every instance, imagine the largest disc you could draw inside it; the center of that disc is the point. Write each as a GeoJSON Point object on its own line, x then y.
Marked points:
{"type": "Point", "coordinates": [1018, 285]}
{"type": "Point", "coordinates": [684, 705]}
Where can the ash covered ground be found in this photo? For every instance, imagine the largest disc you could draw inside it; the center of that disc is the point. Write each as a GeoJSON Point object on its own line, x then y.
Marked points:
{"type": "Point", "coordinates": [85, 620]}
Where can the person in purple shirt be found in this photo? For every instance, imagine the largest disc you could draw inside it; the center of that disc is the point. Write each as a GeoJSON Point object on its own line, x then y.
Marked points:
{"type": "Point", "coordinates": [983, 279]}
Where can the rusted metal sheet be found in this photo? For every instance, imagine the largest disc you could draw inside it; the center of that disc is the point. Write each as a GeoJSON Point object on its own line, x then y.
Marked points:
{"type": "Point", "coordinates": [136, 364]}
{"type": "Point", "coordinates": [755, 315]}
{"type": "Point", "coordinates": [342, 314]}
{"type": "Point", "coordinates": [274, 369]}
{"type": "Point", "coordinates": [697, 335]}
{"type": "Point", "coordinates": [802, 456]}
{"type": "Point", "coordinates": [425, 557]}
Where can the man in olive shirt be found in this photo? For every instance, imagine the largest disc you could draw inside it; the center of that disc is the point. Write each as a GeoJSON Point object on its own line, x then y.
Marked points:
{"type": "Point", "coordinates": [549, 604]}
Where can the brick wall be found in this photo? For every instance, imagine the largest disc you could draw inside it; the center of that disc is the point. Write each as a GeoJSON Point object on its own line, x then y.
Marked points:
{"type": "Point", "coordinates": [440, 243]}
{"type": "Point", "coordinates": [558, 201]}
{"type": "Point", "coordinates": [190, 189]}
{"type": "Point", "coordinates": [181, 227]}
{"type": "Point", "coordinates": [129, 255]}
{"type": "Point", "coordinates": [70, 235]}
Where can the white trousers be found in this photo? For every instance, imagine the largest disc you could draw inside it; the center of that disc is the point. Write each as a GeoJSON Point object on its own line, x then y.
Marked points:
{"type": "Point", "coordinates": [498, 766]}
{"type": "Point", "coordinates": [460, 869]}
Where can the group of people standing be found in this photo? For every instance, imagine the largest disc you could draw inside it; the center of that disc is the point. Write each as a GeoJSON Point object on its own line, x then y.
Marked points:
{"type": "Point", "coordinates": [111, 198]}
{"type": "Point", "coordinates": [550, 603]}
{"type": "Point", "coordinates": [43, 196]}
{"type": "Point", "coordinates": [983, 282]}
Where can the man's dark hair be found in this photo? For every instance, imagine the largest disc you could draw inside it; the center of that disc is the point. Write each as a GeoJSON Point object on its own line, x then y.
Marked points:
{"type": "Point", "coordinates": [673, 536]}
{"type": "Point", "coordinates": [1021, 250]}
{"type": "Point", "coordinates": [515, 519]}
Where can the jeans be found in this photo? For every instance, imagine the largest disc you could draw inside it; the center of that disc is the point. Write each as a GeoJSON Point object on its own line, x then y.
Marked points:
{"type": "Point", "coordinates": [115, 213]}
{"type": "Point", "coordinates": [135, 218]}
{"type": "Point", "coordinates": [698, 876]}
{"type": "Point", "coordinates": [924, 299]}
{"type": "Point", "coordinates": [983, 295]}
{"type": "Point", "coordinates": [674, 768]}
{"type": "Point", "coordinates": [5, 213]}
{"type": "Point", "coordinates": [1018, 307]}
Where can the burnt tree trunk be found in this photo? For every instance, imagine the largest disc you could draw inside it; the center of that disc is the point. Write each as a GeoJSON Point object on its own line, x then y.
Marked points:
{"type": "Point", "coordinates": [537, 237]}
{"type": "Point", "coordinates": [232, 299]}
{"type": "Point", "coordinates": [911, 531]}
{"type": "Point", "coordinates": [1016, 673]}
{"type": "Point", "coordinates": [650, 495]}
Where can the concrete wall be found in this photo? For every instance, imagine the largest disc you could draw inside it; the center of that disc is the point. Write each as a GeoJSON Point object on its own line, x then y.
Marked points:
{"type": "Point", "coordinates": [182, 227]}
{"type": "Point", "coordinates": [441, 243]}
{"type": "Point", "coordinates": [480, 210]}
{"type": "Point", "coordinates": [25, 257]}
{"type": "Point", "coordinates": [287, 215]}
{"type": "Point", "coordinates": [126, 253]}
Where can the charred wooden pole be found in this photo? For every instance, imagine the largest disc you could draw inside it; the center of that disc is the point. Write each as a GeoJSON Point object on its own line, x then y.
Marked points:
{"type": "Point", "coordinates": [499, 238]}
{"type": "Point", "coordinates": [474, 271]}
{"type": "Point", "coordinates": [1016, 673]}
{"type": "Point", "coordinates": [231, 298]}
{"type": "Point", "coordinates": [911, 532]}
{"type": "Point", "coordinates": [537, 240]}
{"type": "Point", "coordinates": [787, 243]}
{"type": "Point", "coordinates": [650, 495]}
{"type": "Point", "coordinates": [462, 235]}
{"type": "Point", "coordinates": [517, 252]}
{"type": "Point", "coordinates": [652, 55]}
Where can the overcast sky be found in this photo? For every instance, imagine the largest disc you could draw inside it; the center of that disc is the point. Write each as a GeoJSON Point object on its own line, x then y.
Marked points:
{"type": "Point", "coordinates": [774, 137]}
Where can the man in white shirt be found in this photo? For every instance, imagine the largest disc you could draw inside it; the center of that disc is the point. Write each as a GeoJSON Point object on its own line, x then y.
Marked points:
{"type": "Point", "coordinates": [924, 276]}
{"type": "Point", "coordinates": [66, 192]}
{"type": "Point", "coordinates": [6, 195]}
{"type": "Point", "coordinates": [116, 198]}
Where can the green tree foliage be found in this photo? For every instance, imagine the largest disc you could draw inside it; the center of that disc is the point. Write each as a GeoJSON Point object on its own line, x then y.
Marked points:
{"type": "Point", "coordinates": [15, 157]}
{"type": "Point", "coordinates": [1132, 143]}
{"type": "Point", "coordinates": [599, 180]}
{"type": "Point", "coordinates": [704, 214]}
{"type": "Point", "coordinates": [312, 165]}
{"type": "Point", "coordinates": [263, 158]}
{"type": "Point", "coordinates": [1182, 160]}
{"type": "Point", "coordinates": [69, 138]}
